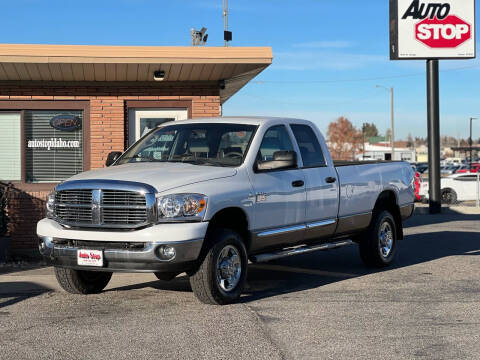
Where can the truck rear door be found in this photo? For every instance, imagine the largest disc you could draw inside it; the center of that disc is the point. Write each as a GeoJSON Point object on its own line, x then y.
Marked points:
{"type": "Point", "coordinates": [321, 182]}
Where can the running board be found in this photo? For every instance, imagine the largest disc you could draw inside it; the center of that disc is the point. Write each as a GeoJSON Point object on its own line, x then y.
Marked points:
{"type": "Point", "coordinates": [298, 250]}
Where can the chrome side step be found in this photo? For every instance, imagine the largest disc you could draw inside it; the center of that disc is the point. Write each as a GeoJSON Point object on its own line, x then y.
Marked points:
{"type": "Point", "coordinates": [303, 249]}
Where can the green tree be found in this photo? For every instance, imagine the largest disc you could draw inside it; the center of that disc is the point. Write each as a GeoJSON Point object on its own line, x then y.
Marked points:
{"type": "Point", "coordinates": [410, 140]}
{"type": "Point", "coordinates": [369, 130]}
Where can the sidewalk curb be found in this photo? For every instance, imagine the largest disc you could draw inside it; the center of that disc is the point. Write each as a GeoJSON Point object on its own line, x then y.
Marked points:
{"type": "Point", "coordinates": [465, 210]}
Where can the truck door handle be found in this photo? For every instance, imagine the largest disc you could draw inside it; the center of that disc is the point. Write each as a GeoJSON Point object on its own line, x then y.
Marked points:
{"type": "Point", "coordinates": [297, 183]}
{"type": "Point", "coordinates": [330, 180]}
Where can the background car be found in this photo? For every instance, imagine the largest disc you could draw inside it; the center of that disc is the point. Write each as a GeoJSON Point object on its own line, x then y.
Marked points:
{"type": "Point", "coordinates": [454, 188]}
{"type": "Point", "coordinates": [474, 169]}
{"type": "Point", "coordinates": [421, 167]}
{"type": "Point", "coordinates": [417, 184]}
{"type": "Point", "coordinates": [449, 169]}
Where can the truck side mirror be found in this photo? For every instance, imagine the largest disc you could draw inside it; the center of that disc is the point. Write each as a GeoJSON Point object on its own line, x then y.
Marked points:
{"type": "Point", "coordinates": [281, 160]}
{"type": "Point", "coordinates": [112, 157]}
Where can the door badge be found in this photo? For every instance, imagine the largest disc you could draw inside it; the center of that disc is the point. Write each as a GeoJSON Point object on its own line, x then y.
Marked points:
{"type": "Point", "coordinates": [261, 197]}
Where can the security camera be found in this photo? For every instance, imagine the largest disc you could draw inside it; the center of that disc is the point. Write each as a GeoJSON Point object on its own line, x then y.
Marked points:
{"type": "Point", "coordinates": [159, 75]}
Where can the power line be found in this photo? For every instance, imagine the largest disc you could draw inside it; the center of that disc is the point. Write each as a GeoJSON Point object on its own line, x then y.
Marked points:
{"type": "Point", "coordinates": [261, 82]}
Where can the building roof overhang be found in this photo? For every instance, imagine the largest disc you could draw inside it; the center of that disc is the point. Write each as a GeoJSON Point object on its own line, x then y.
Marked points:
{"type": "Point", "coordinates": [236, 66]}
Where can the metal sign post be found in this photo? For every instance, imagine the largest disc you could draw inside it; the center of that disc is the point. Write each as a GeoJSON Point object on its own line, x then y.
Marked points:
{"type": "Point", "coordinates": [431, 30]}
{"type": "Point", "coordinates": [433, 105]}
{"type": "Point", "coordinates": [478, 189]}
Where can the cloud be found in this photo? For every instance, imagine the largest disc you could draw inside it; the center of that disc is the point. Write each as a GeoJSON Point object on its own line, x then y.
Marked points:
{"type": "Point", "coordinates": [335, 44]}
{"type": "Point", "coordinates": [329, 60]}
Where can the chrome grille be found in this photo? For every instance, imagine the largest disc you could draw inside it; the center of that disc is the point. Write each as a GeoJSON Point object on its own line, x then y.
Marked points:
{"type": "Point", "coordinates": [122, 198]}
{"type": "Point", "coordinates": [104, 208]}
{"type": "Point", "coordinates": [74, 214]}
{"type": "Point", "coordinates": [74, 197]}
{"type": "Point", "coordinates": [123, 207]}
{"type": "Point", "coordinates": [74, 206]}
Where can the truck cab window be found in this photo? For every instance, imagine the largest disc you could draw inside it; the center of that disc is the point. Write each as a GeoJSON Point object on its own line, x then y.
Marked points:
{"type": "Point", "coordinates": [310, 149]}
{"type": "Point", "coordinates": [276, 139]}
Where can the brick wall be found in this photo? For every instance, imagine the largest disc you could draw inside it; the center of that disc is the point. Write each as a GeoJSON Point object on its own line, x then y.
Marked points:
{"type": "Point", "coordinates": [24, 209]}
{"type": "Point", "coordinates": [108, 131]}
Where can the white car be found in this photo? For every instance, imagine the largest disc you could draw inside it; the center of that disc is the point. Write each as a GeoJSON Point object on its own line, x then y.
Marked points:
{"type": "Point", "coordinates": [456, 187]}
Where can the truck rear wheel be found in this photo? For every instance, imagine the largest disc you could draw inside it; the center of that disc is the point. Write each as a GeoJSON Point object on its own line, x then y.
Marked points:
{"type": "Point", "coordinates": [221, 276]}
{"type": "Point", "coordinates": [82, 281]}
{"type": "Point", "coordinates": [449, 196]}
{"type": "Point", "coordinates": [379, 246]}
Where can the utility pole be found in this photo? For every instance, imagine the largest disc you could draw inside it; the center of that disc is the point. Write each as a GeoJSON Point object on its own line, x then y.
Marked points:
{"type": "Point", "coordinates": [470, 142]}
{"type": "Point", "coordinates": [392, 118]}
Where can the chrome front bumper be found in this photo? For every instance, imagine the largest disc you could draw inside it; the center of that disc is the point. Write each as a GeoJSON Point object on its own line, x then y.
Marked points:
{"type": "Point", "coordinates": [147, 258]}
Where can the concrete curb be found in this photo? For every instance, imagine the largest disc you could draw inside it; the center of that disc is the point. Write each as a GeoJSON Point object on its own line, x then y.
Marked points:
{"type": "Point", "coordinates": [465, 210]}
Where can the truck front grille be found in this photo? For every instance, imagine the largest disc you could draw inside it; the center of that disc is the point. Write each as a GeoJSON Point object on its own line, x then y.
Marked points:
{"type": "Point", "coordinates": [103, 208]}
{"type": "Point", "coordinates": [74, 206]}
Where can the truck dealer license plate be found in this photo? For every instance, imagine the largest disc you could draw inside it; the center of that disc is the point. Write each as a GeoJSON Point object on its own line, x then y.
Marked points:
{"type": "Point", "coordinates": [90, 257]}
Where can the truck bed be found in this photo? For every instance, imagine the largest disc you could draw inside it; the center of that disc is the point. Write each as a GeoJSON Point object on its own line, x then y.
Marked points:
{"type": "Point", "coordinates": [339, 163]}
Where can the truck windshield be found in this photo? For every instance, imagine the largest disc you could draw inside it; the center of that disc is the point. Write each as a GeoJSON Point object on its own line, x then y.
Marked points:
{"type": "Point", "coordinates": [198, 144]}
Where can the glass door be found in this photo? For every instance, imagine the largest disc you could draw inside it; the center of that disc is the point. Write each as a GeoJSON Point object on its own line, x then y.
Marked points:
{"type": "Point", "coordinates": [141, 121]}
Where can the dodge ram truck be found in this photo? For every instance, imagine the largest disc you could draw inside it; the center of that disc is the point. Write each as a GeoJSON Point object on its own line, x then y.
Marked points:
{"type": "Point", "coordinates": [205, 197]}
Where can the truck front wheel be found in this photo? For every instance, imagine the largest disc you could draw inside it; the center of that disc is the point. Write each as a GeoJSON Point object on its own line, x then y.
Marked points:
{"type": "Point", "coordinates": [81, 281]}
{"type": "Point", "coordinates": [221, 276]}
{"type": "Point", "coordinates": [379, 245]}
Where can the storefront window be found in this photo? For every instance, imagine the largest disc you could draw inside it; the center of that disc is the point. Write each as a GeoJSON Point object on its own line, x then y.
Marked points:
{"type": "Point", "coordinates": [54, 145]}
{"type": "Point", "coordinates": [10, 148]}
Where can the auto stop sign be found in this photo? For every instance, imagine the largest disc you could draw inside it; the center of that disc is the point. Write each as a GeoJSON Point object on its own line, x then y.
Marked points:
{"type": "Point", "coordinates": [432, 29]}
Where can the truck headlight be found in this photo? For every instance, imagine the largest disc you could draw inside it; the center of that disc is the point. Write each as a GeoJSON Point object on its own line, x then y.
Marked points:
{"type": "Point", "coordinates": [50, 205]}
{"type": "Point", "coordinates": [181, 207]}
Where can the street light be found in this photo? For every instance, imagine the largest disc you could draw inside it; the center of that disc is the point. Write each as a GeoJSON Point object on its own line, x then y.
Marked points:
{"type": "Point", "coordinates": [471, 142]}
{"type": "Point", "coordinates": [392, 140]}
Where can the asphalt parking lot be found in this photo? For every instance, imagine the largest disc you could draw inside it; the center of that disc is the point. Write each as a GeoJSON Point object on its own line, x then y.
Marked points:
{"type": "Point", "coordinates": [318, 306]}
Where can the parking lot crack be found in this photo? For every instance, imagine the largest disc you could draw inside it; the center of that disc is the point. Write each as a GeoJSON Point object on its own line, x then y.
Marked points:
{"type": "Point", "coordinates": [267, 333]}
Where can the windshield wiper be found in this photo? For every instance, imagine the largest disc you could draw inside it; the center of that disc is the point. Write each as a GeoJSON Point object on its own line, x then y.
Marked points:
{"type": "Point", "coordinates": [143, 159]}
{"type": "Point", "coordinates": [199, 161]}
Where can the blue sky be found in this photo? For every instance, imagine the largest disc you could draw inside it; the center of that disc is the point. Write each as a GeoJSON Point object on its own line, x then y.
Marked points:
{"type": "Point", "coordinates": [328, 55]}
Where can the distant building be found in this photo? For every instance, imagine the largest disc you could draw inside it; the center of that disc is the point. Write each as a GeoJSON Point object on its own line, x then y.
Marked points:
{"type": "Point", "coordinates": [422, 154]}
{"type": "Point", "coordinates": [383, 151]}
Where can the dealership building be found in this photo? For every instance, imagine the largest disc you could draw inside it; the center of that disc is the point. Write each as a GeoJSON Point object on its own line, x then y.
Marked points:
{"type": "Point", "coordinates": [64, 108]}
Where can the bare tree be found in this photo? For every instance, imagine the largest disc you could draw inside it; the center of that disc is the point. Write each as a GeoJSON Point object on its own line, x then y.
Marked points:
{"type": "Point", "coordinates": [344, 139]}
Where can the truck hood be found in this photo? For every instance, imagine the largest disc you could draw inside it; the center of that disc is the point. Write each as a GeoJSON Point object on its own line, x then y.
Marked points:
{"type": "Point", "coordinates": [162, 176]}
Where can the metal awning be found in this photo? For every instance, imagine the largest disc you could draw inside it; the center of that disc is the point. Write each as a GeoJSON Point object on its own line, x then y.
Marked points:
{"type": "Point", "coordinates": [85, 63]}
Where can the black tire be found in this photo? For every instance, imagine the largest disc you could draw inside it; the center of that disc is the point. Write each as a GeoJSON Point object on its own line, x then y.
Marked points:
{"type": "Point", "coordinates": [449, 196]}
{"type": "Point", "coordinates": [372, 252]}
{"type": "Point", "coordinates": [166, 276]}
{"type": "Point", "coordinates": [205, 283]}
{"type": "Point", "coordinates": [82, 281]}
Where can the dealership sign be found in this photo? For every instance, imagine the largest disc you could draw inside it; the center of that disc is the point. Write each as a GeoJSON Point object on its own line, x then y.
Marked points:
{"type": "Point", "coordinates": [426, 29]}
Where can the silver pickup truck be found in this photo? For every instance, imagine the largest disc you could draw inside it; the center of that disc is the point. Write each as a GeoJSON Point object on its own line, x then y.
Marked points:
{"type": "Point", "coordinates": [206, 196]}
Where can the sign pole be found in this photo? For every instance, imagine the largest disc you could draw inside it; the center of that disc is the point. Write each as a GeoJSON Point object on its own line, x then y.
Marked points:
{"type": "Point", "coordinates": [433, 110]}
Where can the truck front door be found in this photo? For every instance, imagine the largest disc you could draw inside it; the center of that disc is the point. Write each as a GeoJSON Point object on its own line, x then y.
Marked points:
{"type": "Point", "coordinates": [279, 196]}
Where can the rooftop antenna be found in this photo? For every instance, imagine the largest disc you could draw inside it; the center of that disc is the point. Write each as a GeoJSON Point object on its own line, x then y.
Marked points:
{"type": "Point", "coordinates": [227, 35]}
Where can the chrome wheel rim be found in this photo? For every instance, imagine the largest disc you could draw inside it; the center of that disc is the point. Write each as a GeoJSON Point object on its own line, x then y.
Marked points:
{"type": "Point", "coordinates": [229, 268]}
{"type": "Point", "coordinates": [385, 239]}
